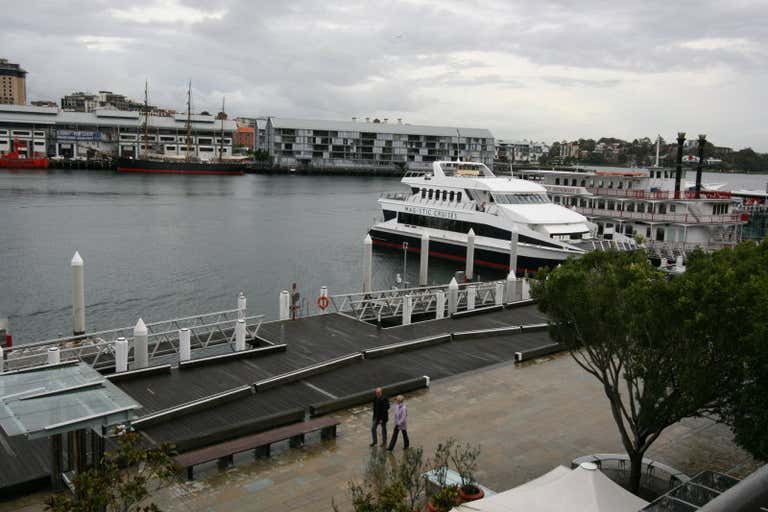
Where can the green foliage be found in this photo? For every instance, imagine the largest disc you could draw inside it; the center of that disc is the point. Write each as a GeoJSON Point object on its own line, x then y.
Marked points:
{"type": "Point", "coordinates": [728, 294]}
{"type": "Point", "coordinates": [260, 155]}
{"type": "Point", "coordinates": [124, 482]}
{"type": "Point", "coordinates": [446, 498]}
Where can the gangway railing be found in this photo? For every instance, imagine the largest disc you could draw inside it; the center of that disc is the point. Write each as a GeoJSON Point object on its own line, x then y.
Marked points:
{"type": "Point", "coordinates": [370, 306]}
{"type": "Point", "coordinates": [98, 348]}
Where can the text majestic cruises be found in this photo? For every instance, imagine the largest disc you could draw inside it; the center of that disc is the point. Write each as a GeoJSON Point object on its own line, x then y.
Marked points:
{"type": "Point", "coordinates": [456, 197]}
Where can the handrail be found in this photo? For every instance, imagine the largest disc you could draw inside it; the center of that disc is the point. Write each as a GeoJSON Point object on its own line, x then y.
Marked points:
{"type": "Point", "coordinates": [685, 218]}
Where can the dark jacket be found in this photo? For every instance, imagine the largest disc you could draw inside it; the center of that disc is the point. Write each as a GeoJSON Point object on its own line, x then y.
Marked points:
{"type": "Point", "coordinates": [381, 408]}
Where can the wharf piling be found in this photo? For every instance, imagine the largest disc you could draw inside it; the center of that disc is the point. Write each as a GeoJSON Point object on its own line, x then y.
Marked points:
{"type": "Point", "coordinates": [470, 267]}
{"type": "Point", "coordinates": [78, 294]}
{"type": "Point", "coordinates": [368, 264]}
{"type": "Point", "coordinates": [424, 260]}
{"type": "Point", "coordinates": [140, 345]}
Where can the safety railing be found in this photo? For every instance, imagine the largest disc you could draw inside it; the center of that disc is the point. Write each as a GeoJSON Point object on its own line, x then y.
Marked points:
{"type": "Point", "coordinates": [98, 348]}
{"type": "Point", "coordinates": [389, 303]}
{"type": "Point", "coordinates": [682, 218]}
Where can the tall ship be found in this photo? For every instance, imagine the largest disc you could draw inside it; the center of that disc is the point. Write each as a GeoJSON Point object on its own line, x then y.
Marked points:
{"type": "Point", "coordinates": [507, 217]}
{"type": "Point", "coordinates": [668, 216]}
{"type": "Point", "coordinates": [154, 160]}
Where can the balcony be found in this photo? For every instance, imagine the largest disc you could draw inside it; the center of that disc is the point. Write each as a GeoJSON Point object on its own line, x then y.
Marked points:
{"type": "Point", "coordinates": [657, 195]}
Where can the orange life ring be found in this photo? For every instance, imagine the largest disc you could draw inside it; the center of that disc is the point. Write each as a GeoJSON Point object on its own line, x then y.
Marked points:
{"type": "Point", "coordinates": [323, 302]}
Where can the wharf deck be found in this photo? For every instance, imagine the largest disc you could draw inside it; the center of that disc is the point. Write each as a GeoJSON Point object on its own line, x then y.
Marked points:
{"type": "Point", "coordinates": [309, 341]}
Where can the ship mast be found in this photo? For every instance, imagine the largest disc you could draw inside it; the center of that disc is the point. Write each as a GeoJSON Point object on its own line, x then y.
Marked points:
{"type": "Point", "coordinates": [658, 143]}
{"type": "Point", "coordinates": [221, 138]}
{"type": "Point", "coordinates": [146, 118]}
{"type": "Point", "coordinates": [189, 120]}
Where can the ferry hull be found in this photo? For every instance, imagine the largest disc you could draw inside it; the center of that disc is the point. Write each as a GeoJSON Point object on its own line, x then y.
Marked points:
{"type": "Point", "coordinates": [149, 166]}
{"type": "Point", "coordinates": [458, 252]}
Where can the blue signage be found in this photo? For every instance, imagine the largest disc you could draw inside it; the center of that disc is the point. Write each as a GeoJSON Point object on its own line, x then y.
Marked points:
{"type": "Point", "coordinates": [78, 135]}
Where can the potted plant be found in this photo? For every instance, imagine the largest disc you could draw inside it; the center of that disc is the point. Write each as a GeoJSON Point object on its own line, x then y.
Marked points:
{"type": "Point", "coordinates": [464, 459]}
{"type": "Point", "coordinates": [447, 495]}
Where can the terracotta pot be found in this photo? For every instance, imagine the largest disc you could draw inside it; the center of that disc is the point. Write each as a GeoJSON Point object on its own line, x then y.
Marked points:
{"type": "Point", "coordinates": [471, 497]}
{"type": "Point", "coordinates": [432, 508]}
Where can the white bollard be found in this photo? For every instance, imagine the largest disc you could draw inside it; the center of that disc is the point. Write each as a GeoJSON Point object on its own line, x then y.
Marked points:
{"type": "Point", "coordinates": [526, 293]}
{"type": "Point", "coordinates": [140, 345]}
{"type": "Point", "coordinates": [242, 303]}
{"type": "Point", "coordinates": [511, 292]}
{"type": "Point", "coordinates": [513, 253]}
{"type": "Point", "coordinates": [453, 296]}
{"type": "Point", "coordinates": [439, 304]}
{"type": "Point", "coordinates": [424, 261]}
{"type": "Point", "coordinates": [185, 344]}
{"type": "Point", "coordinates": [367, 264]}
{"type": "Point", "coordinates": [78, 294]}
{"type": "Point", "coordinates": [2, 359]}
{"type": "Point", "coordinates": [240, 335]}
{"type": "Point", "coordinates": [54, 356]}
{"type": "Point", "coordinates": [407, 308]}
{"type": "Point", "coordinates": [121, 354]}
{"type": "Point", "coordinates": [471, 295]}
{"type": "Point", "coordinates": [285, 305]}
{"type": "Point", "coordinates": [499, 295]}
{"type": "Point", "coordinates": [470, 267]}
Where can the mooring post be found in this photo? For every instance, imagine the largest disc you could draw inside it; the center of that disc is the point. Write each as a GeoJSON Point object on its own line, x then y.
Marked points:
{"type": "Point", "coordinates": [470, 267]}
{"type": "Point", "coordinates": [407, 307]}
{"type": "Point", "coordinates": [513, 253]}
{"type": "Point", "coordinates": [240, 335]}
{"type": "Point", "coordinates": [439, 304]}
{"type": "Point", "coordinates": [78, 294]}
{"type": "Point", "coordinates": [453, 296]}
{"type": "Point", "coordinates": [498, 297]}
{"type": "Point", "coordinates": [526, 293]}
{"type": "Point", "coordinates": [285, 305]}
{"type": "Point", "coordinates": [2, 360]}
{"type": "Point", "coordinates": [140, 345]}
{"type": "Point", "coordinates": [185, 344]}
{"type": "Point", "coordinates": [511, 291]}
{"type": "Point", "coordinates": [54, 356]}
{"type": "Point", "coordinates": [121, 354]}
{"type": "Point", "coordinates": [367, 264]}
{"type": "Point", "coordinates": [471, 295]}
{"type": "Point", "coordinates": [241, 305]}
{"type": "Point", "coordinates": [424, 261]}
{"type": "Point", "coordinates": [323, 301]}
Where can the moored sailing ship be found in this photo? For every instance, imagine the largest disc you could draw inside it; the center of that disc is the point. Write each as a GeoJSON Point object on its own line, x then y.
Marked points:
{"type": "Point", "coordinates": [187, 163]}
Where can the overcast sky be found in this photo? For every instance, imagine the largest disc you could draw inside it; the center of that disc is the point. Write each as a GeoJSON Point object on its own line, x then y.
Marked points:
{"type": "Point", "coordinates": [544, 70]}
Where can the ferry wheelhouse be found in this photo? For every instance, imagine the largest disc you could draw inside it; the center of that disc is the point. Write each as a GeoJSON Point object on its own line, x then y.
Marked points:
{"type": "Point", "coordinates": [456, 197]}
{"type": "Point", "coordinates": [642, 203]}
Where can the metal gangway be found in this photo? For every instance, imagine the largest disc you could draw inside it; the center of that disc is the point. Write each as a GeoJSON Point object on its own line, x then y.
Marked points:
{"type": "Point", "coordinates": [376, 305]}
{"type": "Point", "coordinates": [98, 348]}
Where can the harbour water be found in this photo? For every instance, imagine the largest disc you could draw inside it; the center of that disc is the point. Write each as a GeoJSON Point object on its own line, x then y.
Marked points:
{"type": "Point", "coordinates": [160, 246]}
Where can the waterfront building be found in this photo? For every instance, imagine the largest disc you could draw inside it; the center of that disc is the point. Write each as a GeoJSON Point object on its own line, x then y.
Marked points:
{"type": "Point", "coordinates": [244, 136]}
{"type": "Point", "coordinates": [88, 102]}
{"type": "Point", "coordinates": [53, 132]}
{"type": "Point", "coordinates": [522, 151]}
{"type": "Point", "coordinates": [259, 125]}
{"type": "Point", "coordinates": [43, 103]}
{"type": "Point", "coordinates": [13, 83]}
{"type": "Point", "coordinates": [373, 144]}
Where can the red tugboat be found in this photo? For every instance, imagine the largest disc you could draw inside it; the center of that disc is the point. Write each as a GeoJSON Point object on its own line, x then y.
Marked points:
{"type": "Point", "coordinates": [15, 160]}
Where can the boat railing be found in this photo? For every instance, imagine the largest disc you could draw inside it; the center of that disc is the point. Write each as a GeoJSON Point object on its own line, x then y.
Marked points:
{"type": "Point", "coordinates": [682, 218]}
{"type": "Point", "coordinates": [396, 196]}
{"type": "Point", "coordinates": [656, 194]}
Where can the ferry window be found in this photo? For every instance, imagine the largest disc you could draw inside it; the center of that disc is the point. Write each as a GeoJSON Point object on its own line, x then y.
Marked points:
{"type": "Point", "coordinates": [629, 184]}
{"type": "Point", "coordinates": [573, 182]}
{"type": "Point", "coordinates": [660, 234]}
{"type": "Point", "coordinates": [458, 197]}
{"type": "Point", "coordinates": [414, 190]}
{"type": "Point", "coordinates": [671, 208]}
{"type": "Point", "coordinates": [641, 208]}
{"type": "Point", "coordinates": [662, 208]}
{"type": "Point", "coordinates": [610, 184]}
{"type": "Point", "coordinates": [600, 184]}
{"type": "Point", "coordinates": [583, 183]}
{"type": "Point", "coordinates": [621, 184]}
{"type": "Point", "coordinates": [445, 195]}
{"type": "Point", "coordinates": [423, 193]}
{"type": "Point", "coordinates": [431, 193]}
{"type": "Point", "coordinates": [450, 195]}
{"type": "Point", "coordinates": [557, 181]}
{"type": "Point", "coordinates": [527, 198]}
{"type": "Point", "coordinates": [630, 207]}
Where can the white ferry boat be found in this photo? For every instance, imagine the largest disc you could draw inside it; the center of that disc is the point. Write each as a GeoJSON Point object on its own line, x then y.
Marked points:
{"type": "Point", "coordinates": [458, 196]}
{"type": "Point", "coordinates": [642, 203]}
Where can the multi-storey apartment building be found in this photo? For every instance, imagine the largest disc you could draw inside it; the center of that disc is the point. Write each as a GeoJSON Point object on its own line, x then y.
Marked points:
{"type": "Point", "coordinates": [13, 83]}
{"type": "Point", "coordinates": [374, 144]}
{"type": "Point", "coordinates": [88, 102]}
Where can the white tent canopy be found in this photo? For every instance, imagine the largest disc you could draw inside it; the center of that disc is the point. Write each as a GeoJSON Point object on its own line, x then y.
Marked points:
{"type": "Point", "coordinates": [585, 489]}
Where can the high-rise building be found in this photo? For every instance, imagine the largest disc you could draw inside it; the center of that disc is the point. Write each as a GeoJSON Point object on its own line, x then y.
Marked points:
{"type": "Point", "coordinates": [13, 83]}
{"type": "Point", "coordinates": [88, 102]}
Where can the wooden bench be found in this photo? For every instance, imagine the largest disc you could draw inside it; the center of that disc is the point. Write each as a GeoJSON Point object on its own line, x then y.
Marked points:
{"type": "Point", "coordinates": [260, 443]}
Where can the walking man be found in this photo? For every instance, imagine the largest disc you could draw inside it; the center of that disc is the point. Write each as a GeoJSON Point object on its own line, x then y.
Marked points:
{"type": "Point", "coordinates": [380, 417]}
{"type": "Point", "coordinates": [401, 425]}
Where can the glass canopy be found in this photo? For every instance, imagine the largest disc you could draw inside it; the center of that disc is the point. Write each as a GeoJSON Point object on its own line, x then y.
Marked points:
{"type": "Point", "coordinates": [61, 398]}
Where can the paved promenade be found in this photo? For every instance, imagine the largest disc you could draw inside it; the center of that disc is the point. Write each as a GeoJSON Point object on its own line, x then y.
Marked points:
{"type": "Point", "coordinates": [528, 419]}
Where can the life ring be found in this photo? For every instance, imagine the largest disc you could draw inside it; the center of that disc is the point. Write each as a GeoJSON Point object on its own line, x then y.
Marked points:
{"type": "Point", "coordinates": [323, 302]}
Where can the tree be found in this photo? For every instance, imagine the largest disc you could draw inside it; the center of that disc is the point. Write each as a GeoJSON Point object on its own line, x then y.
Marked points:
{"type": "Point", "coordinates": [730, 291]}
{"type": "Point", "coordinates": [124, 481]}
{"type": "Point", "coordinates": [619, 318]}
